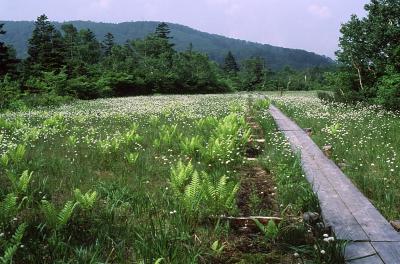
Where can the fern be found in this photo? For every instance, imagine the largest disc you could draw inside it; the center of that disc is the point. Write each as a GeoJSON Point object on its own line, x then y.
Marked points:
{"type": "Point", "coordinates": [221, 196]}
{"type": "Point", "coordinates": [192, 145]}
{"type": "Point", "coordinates": [180, 175]}
{"type": "Point", "coordinates": [50, 213]}
{"type": "Point", "coordinates": [8, 208]}
{"type": "Point", "coordinates": [13, 245]}
{"type": "Point", "coordinates": [65, 214]}
{"type": "Point", "coordinates": [87, 200]}
{"type": "Point", "coordinates": [20, 184]}
{"type": "Point", "coordinates": [4, 160]}
{"type": "Point", "coordinates": [193, 193]}
{"type": "Point", "coordinates": [16, 155]}
{"type": "Point", "coordinates": [23, 181]}
{"type": "Point", "coordinates": [57, 220]}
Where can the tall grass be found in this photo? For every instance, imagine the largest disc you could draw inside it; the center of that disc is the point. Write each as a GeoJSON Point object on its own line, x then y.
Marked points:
{"type": "Point", "coordinates": [96, 181]}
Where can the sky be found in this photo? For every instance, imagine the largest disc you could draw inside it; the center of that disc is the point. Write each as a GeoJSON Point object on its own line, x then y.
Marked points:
{"type": "Point", "coordinates": [312, 25]}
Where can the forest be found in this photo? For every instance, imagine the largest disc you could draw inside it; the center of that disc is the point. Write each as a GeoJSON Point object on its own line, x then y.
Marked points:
{"type": "Point", "coordinates": [73, 63]}
{"type": "Point", "coordinates": [215, 46]}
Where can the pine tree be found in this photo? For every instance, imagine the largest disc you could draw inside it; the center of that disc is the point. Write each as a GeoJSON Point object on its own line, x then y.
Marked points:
{"type": "Point", "coordinates": [230, 65]}
{"type": "Point", "coordinates": [108, 44]}
{"type": "Point", "coordinates": [71, 41]}
{"type": "Point", "coordinates": [163, 31]}
{"type": "Point", "coordinates": [46, 46]}
{"type": "Point", "coordinates": [90, 47]}
{"type": "Point", "coordinates": [7, 56]}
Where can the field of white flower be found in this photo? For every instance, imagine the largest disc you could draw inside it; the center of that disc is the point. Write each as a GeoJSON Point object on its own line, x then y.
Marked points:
{"type": "Point", "coordinates": [149, 180]}
{"type": "Point", "coordinates": [365, 141]}
{"type": "Point", "coordinates": [119, 180]}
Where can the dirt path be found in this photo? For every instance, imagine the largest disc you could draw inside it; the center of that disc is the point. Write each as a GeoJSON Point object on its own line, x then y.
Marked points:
{"type": "Point", "coordinates": [344, 208]}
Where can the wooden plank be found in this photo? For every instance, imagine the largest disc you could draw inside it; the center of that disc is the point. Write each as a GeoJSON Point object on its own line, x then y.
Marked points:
{"type": "Point", "coordinates": [388, 251]}
{"type": "Point", "coordinates": [368, 260]}
{"type": "Point", "coordinates": [351, 215]}
{"type": "Point", "coordinates": [334, 211]}
{"type": "Point", "coordinates": [356, 250]}
{"type": "Point", "coordinates": [373, 223]}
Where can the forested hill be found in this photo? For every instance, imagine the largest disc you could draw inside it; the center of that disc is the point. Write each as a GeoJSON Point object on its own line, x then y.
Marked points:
{"type": "Point", "coordinates": [216, 46]}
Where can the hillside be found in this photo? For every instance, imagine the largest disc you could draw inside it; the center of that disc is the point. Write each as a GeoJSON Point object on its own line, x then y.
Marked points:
{"type": "Point", "coordinates": [216, 46]}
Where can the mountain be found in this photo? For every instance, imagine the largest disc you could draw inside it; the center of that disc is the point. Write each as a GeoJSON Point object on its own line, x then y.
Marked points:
{"type": "Point", "coordinates": [216, 46]}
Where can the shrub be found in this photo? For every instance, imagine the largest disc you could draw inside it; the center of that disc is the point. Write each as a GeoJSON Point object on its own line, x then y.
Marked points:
{"type": "Point", "coordinates": [388, 93]}
{"type": "Point", "coordinates": [9, 92]}
{"type": "Point", "coordinates": [325, 96]}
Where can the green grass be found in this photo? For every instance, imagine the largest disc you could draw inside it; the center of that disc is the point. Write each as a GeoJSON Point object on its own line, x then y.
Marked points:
{"type": "Point", "coordinates": [120, 153]}
{"type": "Point", "coordinates": [139, 180]}
{"type": "Point", "coordinates": [365, 141]}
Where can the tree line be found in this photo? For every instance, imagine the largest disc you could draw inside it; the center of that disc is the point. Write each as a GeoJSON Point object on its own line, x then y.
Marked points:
{"type": "Point", "coordinates": [71, 63]}
{"type": "Point", "coordinates": [369, 57]}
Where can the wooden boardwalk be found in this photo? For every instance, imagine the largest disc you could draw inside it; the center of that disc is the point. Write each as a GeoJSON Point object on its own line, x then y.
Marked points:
{"type": "Point", "coordinates": [345, 209]}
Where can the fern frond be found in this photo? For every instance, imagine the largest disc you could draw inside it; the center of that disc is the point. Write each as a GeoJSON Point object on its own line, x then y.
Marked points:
{"type": "Point", "coordinates": [192, 195]}
{"type": "Point", "coordinates": [8, 254]}
{"type": "Point", "coordinates": [65, 214]}
{"type": "Point", "coordinates": [23, 181]}
{"type": "Point", "coordinates": [50, 213]}
{"type": "Point", "coordinates": [4, 160]}
{"type": "Point", "coordinates": [14, 243]}
{"type": "Point", "coordinates": [180, 175]}
{"type": "Point", "coordinates": [8, 208]}
{"type": "Point", "coordinates": [87, 200]}
{"type": "Point", "coordinates": [19, 234]}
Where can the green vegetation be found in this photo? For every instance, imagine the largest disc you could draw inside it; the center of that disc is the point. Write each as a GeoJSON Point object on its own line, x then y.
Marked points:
{"type": "Point", "coordinates": [365, 144]}
{"type": "Point", "coordinates": [215, 46]}
{"type": "Point", "coordinates": [82, 186]}
{"type": "Point", "coordinates": [369, 57]}
{"type": "Point", "coordinates": [71, 63]}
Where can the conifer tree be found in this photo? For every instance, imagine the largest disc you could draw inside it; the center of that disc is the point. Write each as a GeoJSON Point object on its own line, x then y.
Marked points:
{"type": "Point", "coordinates": [230, 65]}
{"type": "Point", "coordinates": [90, 47]}
{"type": "Point", "coordinates": [163, 31]}
{"type": "Point", "coordinates": [71, 41]}
{"type": "Point", "coordinates": [108, 44]}
{"type": "Point", "coordinates": [7, 56]}
{"type": "Point", "coordinates": [46, 46]}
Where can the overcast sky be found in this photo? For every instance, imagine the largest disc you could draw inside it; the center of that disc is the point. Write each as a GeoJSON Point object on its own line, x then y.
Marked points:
{"type": "Point", "coordinates": [312, 25]}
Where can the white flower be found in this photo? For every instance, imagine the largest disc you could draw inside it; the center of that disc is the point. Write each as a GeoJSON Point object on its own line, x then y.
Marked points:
{"type": "Point", "coordinates": [325, 235]}
{"type": "Point", "coordinates": [323, 252]}
{"type": "Point", "coordinates": [296, 255]}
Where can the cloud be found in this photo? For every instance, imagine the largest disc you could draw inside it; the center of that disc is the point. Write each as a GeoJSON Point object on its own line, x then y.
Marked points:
{"type": "Point", "coordinates": [319, 11]}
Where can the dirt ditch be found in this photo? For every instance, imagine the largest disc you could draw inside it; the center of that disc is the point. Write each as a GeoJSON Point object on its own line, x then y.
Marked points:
{"type": "Point", "coordinates": [256, 198]}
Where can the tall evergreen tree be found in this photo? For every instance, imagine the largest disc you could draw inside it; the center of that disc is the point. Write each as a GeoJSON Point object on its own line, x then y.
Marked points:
{"type": "Point", "coordinates": [46, 46]}
{"type": "Point", "coordinates": [71, 41]}
{"type": "Point", "coordinates": [108, 44]}
{"type": "Point", "coordinates": [253, 74]}
{"type": "Point", "coordinates": [7, 56]}
{"type": "Point", "coordinates": [163, 31]}
{"type": "Point", "coordinates": [230, 65]}
{"type": "Point", "coordinates": [90, 47]}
